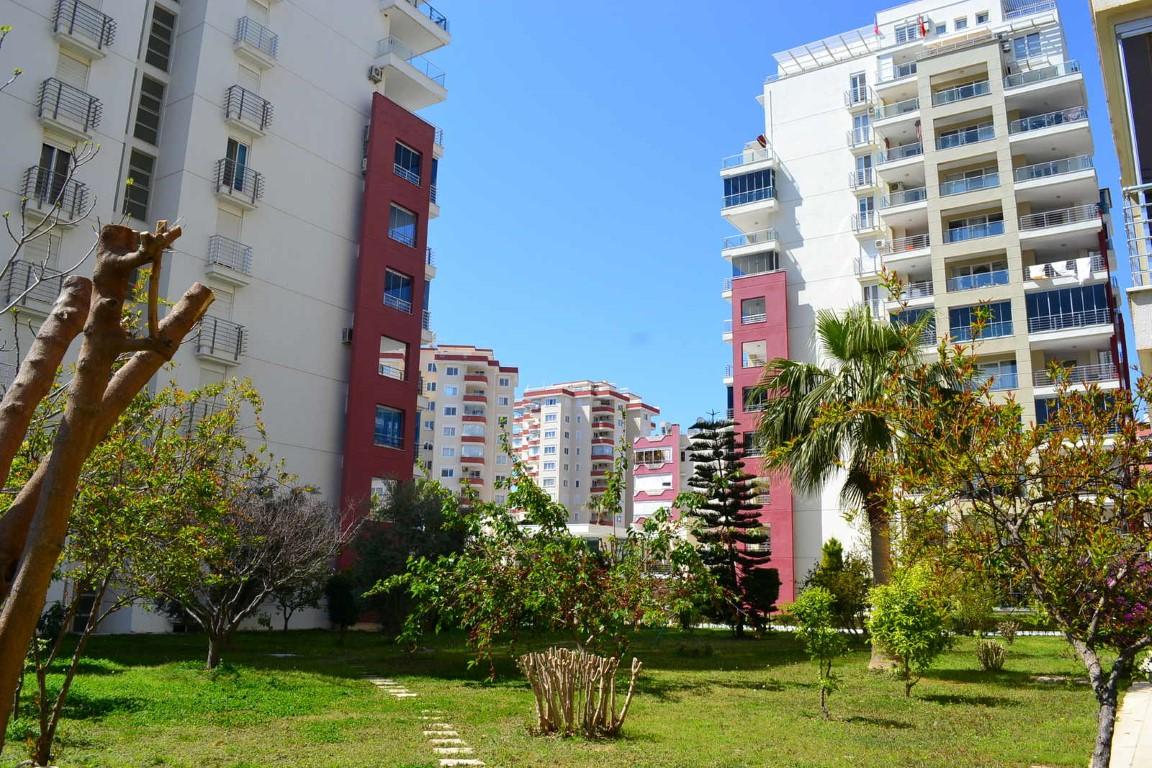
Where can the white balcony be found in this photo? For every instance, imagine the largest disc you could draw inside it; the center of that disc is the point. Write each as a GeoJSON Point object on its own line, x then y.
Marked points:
{"type": "Point", "coordinates": [68, 109]}
{"type": "Point", "coordinates": [1091, 326]}
{"type": "Point", "coordinates": [897, 122]}
{"type": "Point", "coordinates": [1089, 267]}
{"type": "Point", "coordinates": [420, 25]}
{"type": "Point", "coordinates": [409, 79]}
{"type": "Point", "coordinates": [1064, 131]}
{"type": "Point", "coordinates": [1076, 226]}
{"type": "Point", "coordinates": [256, 43]}
{"type": "Point", "coordinates": [1063, 76]}
{"type": "Point", "coordinates": [83, 28]}
{"type": "Point", "coordinates": [753, 158]}
{"type": "Point", "coordinates": [221, 340]}
{"type": "Point", "coordinates": [905, 208]}
{"type": "Point", "coordinates": [748, 243]}
{"type": "Point", "coordinates": [904, 251]}
{"type": "Point", "coordinates": [1079, 377]}
{"type": "Point", "coordinates": [1046, 184]}
{"type": "Point", "coordinates": [749, 211]}
{"type": "Point", "coordinates": [229, 260]}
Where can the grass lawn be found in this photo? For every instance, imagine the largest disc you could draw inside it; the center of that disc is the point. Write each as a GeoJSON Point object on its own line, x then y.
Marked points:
{"type": "Point", "coordinates": [144, 701]}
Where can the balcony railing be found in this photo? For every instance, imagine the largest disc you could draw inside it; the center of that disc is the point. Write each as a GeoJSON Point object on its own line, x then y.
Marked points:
{"type": "Point", "coordinates": [753, 317]}
{"type": "Point", "coordinates": [1048, 119]}
{"type": "Point", "coordinates": [244, 106]}
{"type": "Point", "coordinates": [432, 194]}
{"type": "Point", "coordinates": [861, 178]}
{"type": "Point", "coordinates": [1067, 267]}
{"type": "Point", "coordinates": [422, 64]}
{"type": "Point", "coordinates": [1080, 374]}
{"type": "Point", "coordinates": [903, 244]}
{"type": "Point", "coordinates": [1138, 233]}
{"type": "Point", "coordinates": [1063, 320]}
{"type": "Point", "coordinates": [438, 137]}
{"type": "Point", "coordinates": [434, 15]}
{"type": "Point", "coordinates": [898, 72]}
{"type": "Point", "coordinates": [751, 196]}
{"type": "Point", "coordinates": [426, 320]}
{"type": "Point", "coordinates": [45, 188]}
{"type": "Point", "coordinates": [865, 222]}
{"type": "Point", "coordinates": [904, 197]}
{"type": "Point", "coordinates": [747, 157]}
{"type": "Point", "coordinates": [238, 180]}
{"type": "Point", "coordinates": [1030, 76]}
{"type": "Point", "coordinates": [221, 338]}
{"type": "Point", "coordinates": [82, 20]}
{"type": "Point", "coordinates": [26, 285]}
{"type": "Point", "coordinates": [1053, 168]}
{"type": "Point", "coordinates": [859, 137]}
{"type": "Point", "coordinates": [1014, 9]}
{"type": "Point", "coordinates": [967, 136]}
{"type": "Point", "coordinates": [920, 289]}
{"type": "Point", "coordinates": [758, 237]}
{"type": "Point", "coordinates": [993, 330]}
{"type": "Point", "coordinates": [974, 231]}
{"type": "Point", "coordinates": [1074, 215]}
{"type": "Point", "coordinates": [892, 154]}
{"type": "Point", "coordinates": [412, 177]}
{"type": "Point", "coordinates": [397, 301]}
{"type": "Point", "coordinates": [962, 93]}
{"type": "Point", "coordinates": [254, 34]}
{"type": "Point", "coordinates": [62, 102]}
{"type": "Point", "coordinates": [430, 257]}
{"type": "Point", "coordinates": [969, 184]}
{"type": "Point", "coordinates": [230, 253]}
{"type": "Point", "coordinates": [858, 96]}
{"type": "Point", "coordinates": [979, 280]}
{"type": "Point", "coordinates": [908, 106]}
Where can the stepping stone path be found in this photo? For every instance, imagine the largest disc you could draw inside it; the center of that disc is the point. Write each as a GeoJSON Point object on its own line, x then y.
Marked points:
{"type": "Point", "coordinates": [442, 736]}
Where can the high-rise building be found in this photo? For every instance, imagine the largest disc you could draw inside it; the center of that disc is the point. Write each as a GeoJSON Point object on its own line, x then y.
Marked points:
{"type": "Point", "coordinates": [661, 468]}
{"type": "Point", "coordinates": [467, 403]}
{"type": "Point", "coordinates": [568, 434]}
{"type": "Point", "coordinates": [282, 136]}
{"type": "Point", "coordinates": [1124, 37]}
{"type": "Point", "coordinates": [948, 143]}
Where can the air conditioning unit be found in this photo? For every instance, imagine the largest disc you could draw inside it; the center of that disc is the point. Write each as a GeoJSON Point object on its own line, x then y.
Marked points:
{"type": "Point", "coordinates": [881, 243]}
{"type": "Point", "coordinates": [376, 73]}
{"type": "Point", "coordinates": [363, 166]}
{"type": "Point", "coordinates": [346, 336]}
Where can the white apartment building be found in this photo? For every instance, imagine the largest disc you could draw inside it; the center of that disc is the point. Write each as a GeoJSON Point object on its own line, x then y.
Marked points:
{"type": "Point", "coordinates": [568, 434]}
{"type": "Point", "coordinates": [280, 135]}
{"type": "Point", "coordinates": [947, 142]}
{"type": "Point", "coordinates": [467, 402]}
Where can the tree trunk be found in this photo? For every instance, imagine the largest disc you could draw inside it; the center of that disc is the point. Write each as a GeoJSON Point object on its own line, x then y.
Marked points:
{"type": "Point", "coordinates": [1105, 724]}
{"type": "Point", "coordinates": [880, 533]}
{"type": "Point", "coordinates": [215, 646]}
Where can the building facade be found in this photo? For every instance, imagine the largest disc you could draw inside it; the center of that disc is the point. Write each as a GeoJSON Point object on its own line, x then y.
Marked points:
{"type": "Point", "coordinates": [467, 402]}
{"type": "Point", "coordinates": [1124, 39]}
{"type": "Point", "coordinates": [567, 436]}
{"type": "Point", "coordinates": [661, 468]}
{"type": "Point", "coordinates": [282, 136]}
{"type": "Point", "coordinates": [947, 143]}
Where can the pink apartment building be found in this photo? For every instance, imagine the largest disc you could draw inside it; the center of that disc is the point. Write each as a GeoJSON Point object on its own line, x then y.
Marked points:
{"type": "Point", "coordinates": [660, 471]}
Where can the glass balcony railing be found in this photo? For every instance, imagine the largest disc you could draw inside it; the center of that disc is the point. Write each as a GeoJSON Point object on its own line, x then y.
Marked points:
{"type": "Point", "coordinates": [858, 96]}
{"type": "Point", "coordinates": [1015, 9]}
{"type": "Point", "coordinates": [1030, 76]}
{"type": "Point", "coordinates": [974, 231]}
{"type": "Point", "coordinates": [993, 330]}
{"type": "Point", "coordinates": [1074, 215]}
{"type": "Point", "coordinates": [904, 197]}
{"type": "Point", "coordinates": [861, 178]}
{"type": "Point", "coordinates": [904, 244]}
{"type": "Point", "coordinates": [860, 137]}
{"type": "Point", "coordinates": [898, 72]}
{"type": "Point", "coordinates": [759, 237]}
{"type": "Point", "coordinates": [865, 222]}
{"type": "Point", "coordinates": [962, 93]}
{"type": "Point", "coordinates": [747, 157]}
{"type": "Point", "coordinates": [1053, 168]}
{"type": "Point", "coordinates": [919, 289]}
{"type": "Point", "coordinates": [422, 64]}
{"type": "Point", "coordinates": [906, 107]}
{"type": "Point", "coordinates": [969, 184]}
{"type": "Point", "coordinates": [1065, 320]}
{"type": "Point", "coordinates": [1079, 374]}
{"type": "Point", "coordinates": [751, 196]}
{"type": "Point", "coordinates": [968, 136]}
{"type": "Point", "coordinates": [1138, 233]}
{"type": "Point", "coordinates": [433, 15]}
{"type": "Point", "coordinates": [1067, 267]}
{"type": "Point", "coordinates": [979, 280]}
{"type": "Point", "coordinates": [1048, 120]}
{"type": "Point", "coordinates": [892, 154]}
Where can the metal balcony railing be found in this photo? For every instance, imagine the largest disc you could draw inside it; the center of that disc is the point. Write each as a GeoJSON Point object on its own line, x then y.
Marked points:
{"type": "Point", "coordinates": [1048, 119]}
{"type": "Point", "coordinates": [753, 317]}
{"type": "Point", "coordinates": [238, 180]}
{"type": "Point", "coordinates": [230, 253]}
{"type": "Point", "coordinates": [1014, 9]}
{"type": "Point", "coordinates": [974, 231]}
{"type": "Point", "coordinates": [432, 194]}
{"type": "Point", "coordinates": [928, 335]}
{"type": "Point", "coordinates": [728, 326]}
{"type": "Point", "coordinates": [62, 102]}
{"type": "Point", "coordinates": [859, 137]}
{"type": "Point", "coordinates": [1080, 374]}
{"type": "Point", "coordinates": [45, 188]}
{"type": "Point", "coordinates": [244, 106]}
{"type": "Point", "coordinates": [898, 72]}
{"type": "Point", "coordinates": [1138, 232]}
{"type": "Point", "coordinates": [747, 157]}
{"type": "Point", "coordinates": [403, 234]}
{"type": "Point", "coordinates": [858, 96]}
{"type": "Point", "coordinates": [904, 197]}
{"type": "Point", "coordinates": [968, 136]}
{"type": "Point", "coordinates": [751, 196]}
{"type": "Point", "coordinates": [1030, 76]}
{"type": "Point", "coordinates": [1073, 215]}
{"type": "Point", "coordinates": [892, 154]}
{"type": "Point", "coordinates": [906, 243]}
{"type": "Point", "coordinates": [866, 266]}
{"type": "Point", "coordinates": [1067, 267]}
{"type": "Point", "coordinates": [82, 20]}
{"type": "Point", "coordinates": [993, 330]}
{"type": "Point", "coordinates": [434, 15]}
{"type": "Point", "coordinates": [969, 184]}
{"type": "Point", "coordinates": [877, 308]}
{"type": "Point", "coordinates": [412, 177]}
{"type": "Point", "coordinates": [962, 93]}
{"type": "Point", "coordinates": [221, 338]}
{"type": "Point", "coordinates": [252, 33]}
{"type": "Point", "coordinates": [426, 320]}
{"type": "Point", "coordinates": [429, 257]}
{"type": "Point", "coordinates": [26, 285]}
{"type": "Point", "coordinates": [1063, 320]}
{"type": "Point", "coordinates": [906, 107]}
{"type": "Point", "coordinates": [727, 285]}
{"type": "Point", "coordinates": [397, 302]}
{"type": "Point", "coordinates": [391, 45]}
{"type": "Point", "coordinates": [728, 371]}
{"type": "Point", "coordinates": [1053, 168]}
{"type": "Point", "coordinates": [438, 137]}
{"type": "Point", "coordinates": [919, 289]}
{"type": "Point", "coordinates": [979, 280]}
{"type": "Point", "coordinates": [865, 222]}
{"type": "Point", "coordinates": [861, 178]}
{"type": "Point", "coordinates": [758, 237]}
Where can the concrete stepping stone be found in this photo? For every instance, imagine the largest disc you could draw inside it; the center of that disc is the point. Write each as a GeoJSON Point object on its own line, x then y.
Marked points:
{"type": "Point", "coordinates": [405, 695]}
{"type": "Point", "coordinates": [453, 750]}
{"type": "Point", "coordinates": [458, 763]}
{"type": "Point", "coordinates": [448, 742]}
{"type": "Point", "coordinates": [441, 734]}
{"type": "Point", "coordinates": [434, 726]}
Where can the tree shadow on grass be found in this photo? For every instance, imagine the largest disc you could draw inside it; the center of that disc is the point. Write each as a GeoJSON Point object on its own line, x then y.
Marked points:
{"type": "Point", "coordinates": [971, 701]}
{"type": "Point", "coordinates": [879, 722]}
{"type": "Point", "coordinates": [81, 706]}
{"type": "Point", "coordinates": [1012, 679]}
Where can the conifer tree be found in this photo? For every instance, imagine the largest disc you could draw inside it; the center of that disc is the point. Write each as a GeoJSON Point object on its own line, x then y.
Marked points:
{"type": "Point", "coordinates": [725, 519]}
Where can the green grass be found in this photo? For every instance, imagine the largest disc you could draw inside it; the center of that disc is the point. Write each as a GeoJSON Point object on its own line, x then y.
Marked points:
{"type": "Point", "coordinates": [144, 701]}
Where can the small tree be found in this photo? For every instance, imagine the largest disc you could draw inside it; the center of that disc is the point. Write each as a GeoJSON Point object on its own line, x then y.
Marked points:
{"type": "Point", "coordinates": [908, 625]}
{"type": "Point", "coordinates": [343, 610]}
{"type": "Point", "coordinates": [848, 578]}
{"type": "Point", "coordinates": [725, 521]}
{"type": "Point", "coordinates": [815, 615]}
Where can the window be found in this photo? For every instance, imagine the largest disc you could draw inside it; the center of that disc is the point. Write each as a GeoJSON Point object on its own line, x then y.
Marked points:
{"type": "Point", "coordinates": [1068, 308]}
{"type": "Point", "coordinates": [159, 52]}
{"type": "Point", "coordinates": [502, 401]}
{"type": "Point", "coordinates": [906, 33]}
{"type": "Point", "coordinates": [138, 192]}
{"type": "Point", "coordinates": [942, 28]}
{"type": "Point", "coordinates": [393, 358]}
{"type": "Point", "coordinates": [551, 401]}
{"type": "Point", "coordinates": [861, 129]}
{"type": "Point", "coordinates": [447, 452]}
{"type": "Point", "coordinates": [864, 171]}
{"type": "Point", "coordinates": [752, 311]}
{"type": "Point", "coordinates": [449, 431]}
{"type": "Point", "coordinates": [504, 382]}
{"type": "Point", "coordinates": [549, 450]}
{"type": "Point", "coordinates": [975, 226]}
{"type": "Point", "coordinates": [751, 447]}
{"type": "Point", "coordinates": [389, 430]}
{"type": "Point", "coordinates": [549, 482]}
{"type": "Point", "coordinates": [447, 472]}
{"type": "Point", "coordinates": [996, 321]}
{"type": "Point", "coordinates": [857, 88]}
{"type": "Point", "coordinates": [472, 451]}
{"type": "Point", "coordinates": [451, 371]}
{"type": "Point", "coordinates": [397, 290]}
{"type": "Point", "coordinates": [750, 187]}
{"type": "Point", "coordinates": [402, 225]}
{"type": "Point", "coordinates": [549, 434]}
{"type": "Point", "coordinates": [502, 459]}
{"type": "Point", "coordinates": [235, 165]}
{"type": "Point", "coordinates": [960, 23]}
{"type": "Point", "coordinates": [431, 387]}
{"type": "Point", "coordinates": [406, 163]}
{"type": "Point", "coordinates": [1026, 46]}
{"type": "Point", "coordinates": [382, 489]}
{"type": "Point", "coordinates": [449, 410]}
{"type": "Point", "coordinates": [549, 418]}
{"type": "Point", "coordinates": [452, 391]}
{"type": "Point", "coordinates": [982, 17]}
{"type": "Point", "coordinates": [1001, 373]}
{"type": "Point", "coordinates": [429, 425]}
{"type": "Point", "coordinates": [549, 466]}
{"type": "Point", "coordinates": [148, 110]}
{"type": "Point", "coordinates": [755, 264]}
{"type": "Point", "coordinates": [753, 354]}
{"type": "Point", "coordinates": [969, 276]}
{"type": "Point", "coordinates": [753, 400]}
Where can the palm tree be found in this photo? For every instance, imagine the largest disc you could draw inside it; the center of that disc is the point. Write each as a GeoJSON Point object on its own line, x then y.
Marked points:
{"type": "Point", "coordinates": [813, 423]}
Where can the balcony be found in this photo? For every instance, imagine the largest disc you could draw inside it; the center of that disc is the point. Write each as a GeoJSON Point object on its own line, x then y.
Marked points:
{"type": "Point", "coordinates": [221, 340]}
{"type": "Point", "coordinates": [902, 152]}
{"type": "Point", "coordinates": [229, 259]}
{"type": "Point", "coordinates": [1016, 9]}
{"type": "Point", "coordinates": [968, 136]}
{"type": "Point", "coordinates": [1138, 233]}
{"type": "Point", "coordinates": [907, 246]}
{"type": "Point", "coordinates": [25, 285]}
{"type": "Point", "coordinates": [83, 28]}
{"type": "Point", "coordinates": [1083, 220]}
{"type": "Point", "coordinates": [238, 183]}
{"type": "Point", "coordinates": [979, 280]}
{"type": "Point", "coordinates": [752, 196]}
{"type": "Point", "coordinates": [863, 178]}
{"type": "Point", "coordinates": [1042, 74]}
{"type": "Point", "coordinates": [412, 80]}
{"type": "Point", "coordinates": [969, 184]}
{"type": "Point", "coordinates": [974, 232]}
{"type": "Point", "coordinates": [398, 302]}
{"type": "Point", "coordinates": [1041, 122]}
{"type": "Point", "coordinates": [763, 239]}
{"type": "Point", "coordinates": [904, 197]}
{"type": "Point", "coordinates": [914, 291]}
{"type": "Point", "coordinates": [860, 137]}
{"type": "Point", "coordinates": [256, 43]}
{"type": "Point", "coordinates": [961, 93]}
{"type": "Point", "coordinates": [1079, 269]}
{"type": "Point", "coordinates": [1070, 320]}
{"type": "Point", "coordinates": [1079, 374]}
{"type": "Point", "coordinates": [908, 108]}
{"type": "Point", "coordinates": [896, 73]}
{"type": "Point", "coordinates": [68, 109]}
{"type": "Point", "coordinates": [991, 330]}
{"type": "Point", "coordinates": [858, 97]}
{"type": "Point", "coordinates": [46, 191]}
{"type": "Point", "coordinates": [418, 23]}
{"type": "Point", "coordinates": [245, 109]}
{"type": "Point", "coordinates": [752, 155]}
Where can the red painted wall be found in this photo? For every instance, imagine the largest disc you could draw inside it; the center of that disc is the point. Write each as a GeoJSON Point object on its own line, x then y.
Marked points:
{"type": "Point", "coordinates": [774, 331]}
{"type": "Point", "coordinates": [364, 460]}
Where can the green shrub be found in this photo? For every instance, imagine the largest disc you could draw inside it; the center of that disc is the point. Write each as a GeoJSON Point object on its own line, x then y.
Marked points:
{"type": "Point", "coordinates": [991, 655]}
{"type": "Point", "coordinates": [1008, 630]}
{"type": "Point", "coordinates": [909, 625]}
{"type": "Point", "coordinates": [815, 615]}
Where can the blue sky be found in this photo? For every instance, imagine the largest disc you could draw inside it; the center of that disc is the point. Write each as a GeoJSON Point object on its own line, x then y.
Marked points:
{"type": "Point", "coordinates": [580, 194]}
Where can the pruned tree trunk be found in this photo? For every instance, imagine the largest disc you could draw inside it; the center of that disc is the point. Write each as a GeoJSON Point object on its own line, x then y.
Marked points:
{"type": "Point", "coordinates": [575, 691]}
{"type": "Point", "coordinates": [215, 648]}
{"type": "Point", "coordinates": [85, 421]}
{"type": "Point", "coordinates": [880, 535]}
{"type": "Point", "coordinates": [1106, 687]}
